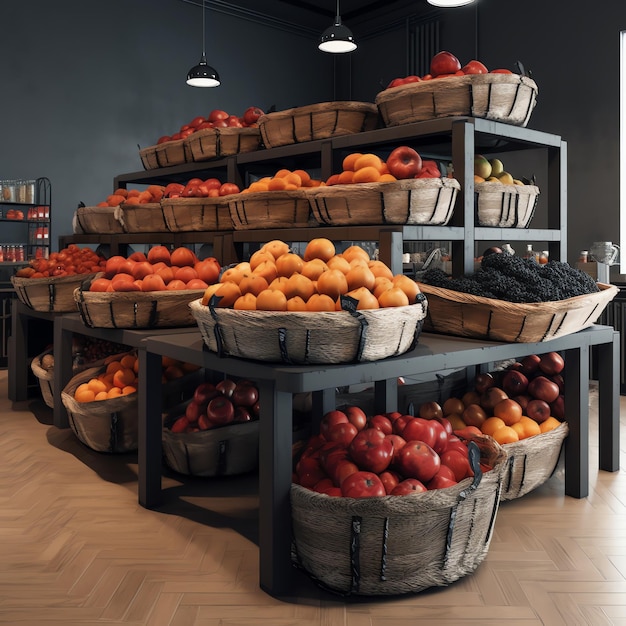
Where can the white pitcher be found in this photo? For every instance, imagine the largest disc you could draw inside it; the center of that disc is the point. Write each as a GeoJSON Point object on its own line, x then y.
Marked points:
{"type": "Point", "coordinates": [604, 252]}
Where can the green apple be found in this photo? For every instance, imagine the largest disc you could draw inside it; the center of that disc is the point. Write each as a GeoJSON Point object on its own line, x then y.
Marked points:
{"type": "Point", "coordinates": [482, 167]}
{"type": "Point", "coordinates": [496, 167]}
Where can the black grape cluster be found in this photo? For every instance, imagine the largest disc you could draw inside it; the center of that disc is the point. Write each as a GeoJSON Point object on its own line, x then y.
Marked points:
{"type": "Point", "coordinates": [514, 279]}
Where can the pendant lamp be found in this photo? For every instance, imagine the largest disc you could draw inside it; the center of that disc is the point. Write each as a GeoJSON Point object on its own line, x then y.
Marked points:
{"type": "Point", "coordinates": [449, 3]}
{"type": "Point", "coordinates": [203, 75]}
{"type": "Point", "coordinates": [337, 38]}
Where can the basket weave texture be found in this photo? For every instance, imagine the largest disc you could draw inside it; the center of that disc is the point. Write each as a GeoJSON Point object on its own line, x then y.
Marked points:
{"type": "Point", "coordinates": [171, 153]}
{"type": "Point", "coordinates": [45, 378]}
{"type": "Point", "coordinates": [397, 544]}
{"type": "Point", "coordinates": [299, 337]}
{"type": "Point", "coordinates": [142, 218]}
{"type": "Point", "coordinates": [505, 206]}
{"type": "Point", "coordinates": [212, 143]}
{"type": "Point", "coordinates": [98, 220]}
{"type": "Point", "coordinates": [270, 209]}
{"type": "Point", "coordinates": [508, 98]}
{"type": "Point", "coordinates": [416, 201]}
{"type": "Point", "coordinates": [135, 309]}
{"type": "Point", "coordinates": [51, 295]}
{"type": "Point", "coordinates": [317, 121]}
{"type": "Point", "coordinates": [196, 214]}
{"type": "Point", "coordinates": [531, 462]}
{"type": "Point", "coordinates": [225, 451]}
{"type": "Point", "coordinates": [465, 315]}
{"type": "Point", "coordinates": [149, 158]}
{"type": "Point", "coordinates": [105, 425]}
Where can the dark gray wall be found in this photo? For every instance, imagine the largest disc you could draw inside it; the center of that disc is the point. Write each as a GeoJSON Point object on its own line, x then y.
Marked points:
{"type": "Point", "coordinates": [108, 76]}
{"type": "Point", "coordinates": [86, 82]}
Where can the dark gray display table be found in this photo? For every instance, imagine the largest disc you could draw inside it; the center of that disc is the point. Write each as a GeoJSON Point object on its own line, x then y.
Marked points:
{"type": "Point", "coordinates": [277, 383]}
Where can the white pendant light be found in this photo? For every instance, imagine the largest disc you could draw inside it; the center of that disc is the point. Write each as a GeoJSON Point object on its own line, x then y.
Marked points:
{"type": "Point", "coordinates": [203, 75]}
{"type": "Point", "coordinates": [337, 38]}
{"type": "Point", "coordinates": [449, 3]}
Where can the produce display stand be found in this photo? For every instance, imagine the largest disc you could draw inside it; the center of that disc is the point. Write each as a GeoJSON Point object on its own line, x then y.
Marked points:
{"type": "Point", "coordinates": [277, 383]}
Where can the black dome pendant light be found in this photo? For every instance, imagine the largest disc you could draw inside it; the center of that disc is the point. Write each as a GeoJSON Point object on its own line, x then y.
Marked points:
{"type": "Point", "coordinates": [337, 38]}
{"type": "Point", "coordinates": [203, 75]}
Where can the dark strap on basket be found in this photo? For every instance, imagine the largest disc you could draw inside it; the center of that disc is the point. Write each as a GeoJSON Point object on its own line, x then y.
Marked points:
{"type": "Point", "coordinates": [222, 456]}
{"type": "Point", "coordinates": [355, 547]}
{"type": "Point", "coordinates": [350, 304]}
{"type": "Point", "coordinates": [217, 329]}
{"type": "Point", "coordinates": [474, 461]}
{"type": "Point", "coordinates": [51, 296]}
{"type": "Point", "coordinates": [113, 433]}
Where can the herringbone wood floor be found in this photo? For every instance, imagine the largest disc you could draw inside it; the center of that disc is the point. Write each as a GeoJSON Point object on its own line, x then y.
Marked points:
{"type": "Point", "coordinates": [76, 548]}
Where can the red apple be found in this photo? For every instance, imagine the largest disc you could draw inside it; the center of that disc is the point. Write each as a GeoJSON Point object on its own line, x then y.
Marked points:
{"type": "Point", "coordinates": [430, 410]}
{"type": "Point", "coordinates": [444, 63]}
{"type": "Point", "coordinates": [538, 410]}
{"type": "Point", "coordinates": [514, 382]}
{"type": "Point", "coordinates": [404, 162]}
{"type": "Point", "coordinates": [484, 381]}
{"type": "Point", "coordinates": [530, 364]}
{"type": "Point", "coordinates": [543, 388]}
{"type": "Point", "coordinates": [551, 363]}
{"type": "Point", "coordinates": [226, 387]}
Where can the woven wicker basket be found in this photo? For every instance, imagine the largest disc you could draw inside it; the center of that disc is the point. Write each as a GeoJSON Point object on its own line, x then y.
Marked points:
{"type": "Point", "coordinates": [212, 143]}
{"type": "Point", "coordinates": [45, 378]}
{"type": "Point", "coordinates": [270, 209]}
{"type": "Point", "coordinates": [135, 309]}
{"type": "Point", "coordinates": [50, 295]}
{"type": "Point", "coordinates": [149, 158]}
{"type": "Point", "coordinates": [142, 218]}
{"type": "Point", "coordinates": [105, 425]}
{"type": "Point", "coordinates": [465, 315]}
{"type": "Point", "coordinates": [531, 462]}
{"type": "Point", "coordinates": [505, 206]}
{"type": "Point", "coordinates": [398, 544]}
{"type": "Point", "coordinates": [225, 451]}
{"type": "Point", "coordinates": [97, 219]}
{"type": "Point", "coordinates": [172, 152]}
{"type": "Point", "coordinates": [508, 98]}
{"type": "Point", "coordinates": [321, 337]}
{"type": "Point", "coordinates": [196, 214]}
{"type": "Point", "coordinates": [317, 121]}
{"type": "Point", "coordinates": [416, 201]}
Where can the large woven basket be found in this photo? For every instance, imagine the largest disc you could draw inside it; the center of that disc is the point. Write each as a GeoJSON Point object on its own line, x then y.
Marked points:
{"type": "Point", "coordinates": [172, 152]}
{"type": "Point", "coordinates": [212, 143]}
{"type": "Point", "coordinates": [270, 209]}
{"type": "Point", "coordinates": [317, 121]}
{"type": "Point", "coordinates": [135, 309]}
{"type": "Point", "coordinates": [142, 218]}
{"type": "Point", "coordinates": [45, 378]}
{"type": "Point", "coordinates": [97, 219]}
{"type": "Point", "coordinates": [398, 544]}
{"type": "Point", "coordinates": [531, 462]}
{"type": "Point", "coordinates": [415, 201]}
{"type": "Point", "coordinates": [50, 295]}
{"type": "Point", "coordinates": [320, 337]}
{"type": "Point", "coordinates": [196, 214]}
{"type": "Point", "coordinates": [508, 98]}
{"type": "Point", "coordinates": [505, 206]}
{"type": "Point", "coordinates": [103, 425]}
{"type": "Point", "coordinates": [465, 315]}
{"type": "Point", "coordinates": [149, 158]}
{"type": "Point", "coordinates": [225, 451]}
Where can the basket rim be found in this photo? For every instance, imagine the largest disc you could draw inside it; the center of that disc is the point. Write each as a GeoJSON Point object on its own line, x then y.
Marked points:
{"type": "Point", "coordinates": [81, 294]}
{"type": "Point", "coordinates": [525, 307]}
{"type": "Point", "coordinates": [503, 187]}
{"type": "Point", "coordinates": [221, 200]}
{"type": "Point", "coordinates": [279, 194]}
{"type": "Point", "coordinates": [23, 281]}
{"type": "Point", "coordinates": [452, 82]}
{"type": "Point", "coordinates": [407, 183]}
{"type": "Point", "coordinates": [352, 105]}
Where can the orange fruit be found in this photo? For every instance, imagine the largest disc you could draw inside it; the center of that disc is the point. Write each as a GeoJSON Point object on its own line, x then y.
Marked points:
{"type": "Point", "coordinates": [366, 175]}
{"type": "Point", "coordinates": [128, 389]}
{"type": "Point", "coordinates": [267, 269]}
{"type": "Point", "coordinates": [271, 300]}
{"type": "Point", "coordinates": [276, 247]}
{"type": "Point", "coordinates": [299, 285]}
{"type": "Point", "coordinates": [319, 248]}
{"type": "Point", "coordinates": [380, 269]}
{"type": "Point", "coordinates": [345, 178]}
{"type": "Point", "coordinates": [320, 302]}
{"type": "Point", "coordinates": [508, 410]}
{"type": "Point", "coordinates": [96, 385]}
{"type": "Point", "coordinates": [277, 184]}
{"type": "Point", "coordinates": [253, 283]}
{"type": "Point", "coordinates": [381, 284]}
{"type": "Point", "coordinates": [114, 392]}
{"type": "Point", "coordinates": [355, 252]}
{"type": "Point", "coordinates": [124, 377]}
{"type": "Point", "coordinates": [491, 424]}
{"type": "Point", "coordinates": [102, 395]}
{"type": "Point", "coordinates": [338, 262]}
{"type": "Point", "coordinates": [288, 264]}
{"type": "Point", "coordinates": [393, 297]}
{"type": "Point", "coordinates": [531, 428]}
{"type": "Point", "coordinates": [360, 276]}
{"type": "Point", "coordinates": [280, 283]}
{"type": "Point", "coordinates": [408, 285]}
{"type": "Point", "coordinates": [304, 176]}
{"type": "Point", "coordinates": [349, 161]}
{"type": "Point", "coordinates": [550, 424]}
{"type": "Point", "coordinates": [452, 405]}
{"type": "Point", "coordinates": [332, 283]}
{"type": "Point", "coordinates": [366, 299]}
{"type": "Point", "coordinates": [313, 268]}
{"type": "Point", "coordinates": [505, 434]}
{"type": "Point", "coordinates": [228, 293]}
{"type": "Point", "coordinates": [113, 366]}
{"type": "Point", "coordinates": [84, 394]}
{"type": "Point", "coordinates": [128, 360]}
{"type": "Point", "coordinates": [369, 160]}
{"type": "Point", "coordinates": [296, 304]}
{"type": "Point", "coordinates": [259, 256]}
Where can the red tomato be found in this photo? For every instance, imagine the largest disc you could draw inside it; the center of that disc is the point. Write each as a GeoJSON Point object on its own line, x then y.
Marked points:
{"type": "Point", "coordinates": [382, 423]}
{"type": "Point", "coordinates": [356, 416]}
{"type": "Point", "coordinates": [228, 188]}
{"type": "Point", "coordinates": [397, 442]}
{"type": "Point", "coordinates": [396, 82]}
{"type": "Point", "coordinates": [390, 480]}
{"type": "Point", "coordinates": [412, 79]}
{"type": "Point", "coordinates": [407, 487]}
{"type": "Point", "coordinates": [208, 269]}
{"type": "Point", "coordinates": [217, 114]}
{"type": "Point", "coordinates": [343, 469]}
{"type": "Point", "coordinates": [418, 460]}
{"type": "Point", "coordinates": [213, 183]}
{"type": "Point", "coordinates": [444, 63]}
{"type": "Point", "coordinates": [196, 121]}
{"type": "Point", "coordinates": [330, 419]}
{"type": "Point", "coordinates": [330, 454]}
{"type": "Point", "coordinates": [343, 432]}
{"type": "Point", "coordinates": [474, 67]}
{"type": "Point", "coordinates": [251, 115]}
{"type": "Point", "coordinates": [458, 463]}
{"type": "Point", "coordinates": [371, 450]}
{"type": "Point", "coordinates": [420, 429]}
{"type": "Point", "coordinates": [362, 485]}
{"type": "Point", "coordinates": [163, 139]}
{"type": "Point", "coordinates": [501, 71]}
{"type": "Point", "coordinates": [404, 162]}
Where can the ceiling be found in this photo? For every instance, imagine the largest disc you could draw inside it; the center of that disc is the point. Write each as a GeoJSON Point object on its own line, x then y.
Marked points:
{"type": "Point", "coordinates": [316, 14]}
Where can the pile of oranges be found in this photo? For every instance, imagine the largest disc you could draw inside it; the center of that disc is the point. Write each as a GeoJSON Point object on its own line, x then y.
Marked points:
{"type": "Point", "coordinates": [153, 193]}
{"type": "Point", "coordinates": [119, 378]}
{"type": "Point", "coordinates": [362, 168]}
{"type": "Point", "coordinates": [283, 180]}
{"type": "Point", "coordinates": [276, 279]}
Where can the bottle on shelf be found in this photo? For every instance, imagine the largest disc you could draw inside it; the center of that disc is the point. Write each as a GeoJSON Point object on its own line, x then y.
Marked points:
{"type": "Point", "coordinates": [508, 249]}
{"type": "Point", "coordinates": [530, 253]}
{"type": "Point", "coordinates": [584, 256]}
{"type": "Point", "coordinates": [544, 257]}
